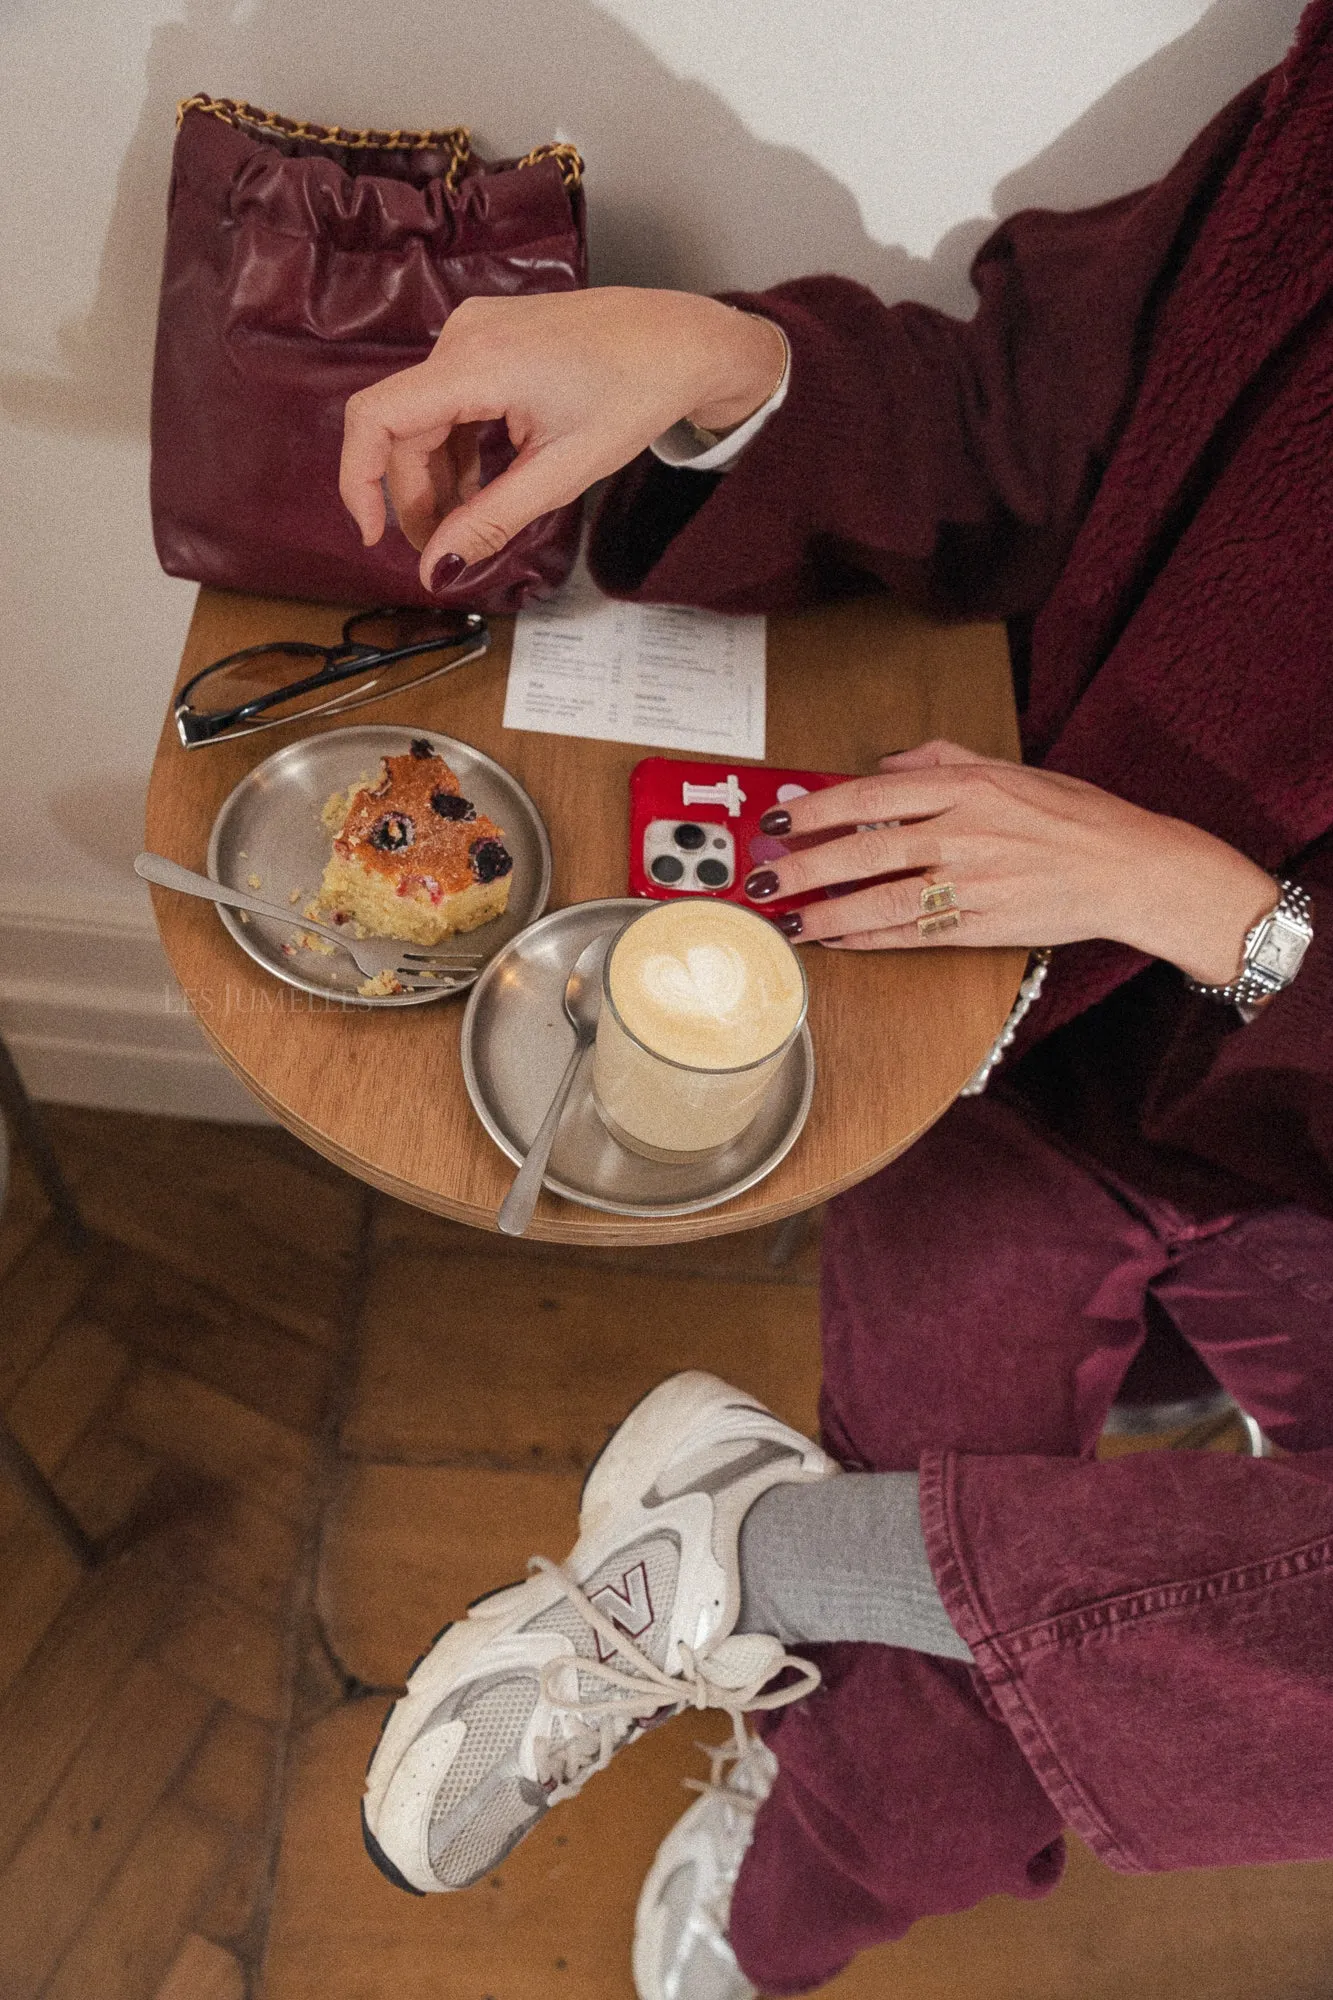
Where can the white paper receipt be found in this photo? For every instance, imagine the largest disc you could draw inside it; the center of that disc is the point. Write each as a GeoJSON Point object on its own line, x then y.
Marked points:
{"type": "Point", "coordinates": [673, 678]}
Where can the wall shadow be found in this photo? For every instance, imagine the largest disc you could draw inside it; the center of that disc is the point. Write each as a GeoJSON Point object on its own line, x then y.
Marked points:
{"type": "Point", "coordinates": [681, 192]}
{"type": "Point", "coordinates": [1145, 121]}
{"type": "Point", "coordinates": [103, 820]}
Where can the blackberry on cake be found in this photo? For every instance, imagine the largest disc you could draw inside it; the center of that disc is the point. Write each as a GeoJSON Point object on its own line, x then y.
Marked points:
{"type": "Point", "coordinates": [412, 858]}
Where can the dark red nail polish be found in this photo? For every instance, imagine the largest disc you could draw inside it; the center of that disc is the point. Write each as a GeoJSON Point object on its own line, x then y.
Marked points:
{"type": "Point", "coordinates": [776, 820]}
{"type": "Point", "coordinates": [761, 884]}
{"type": "Point", "coordinates": [789, 923]}
{"type": "Point", "coordinates": [446, 571]}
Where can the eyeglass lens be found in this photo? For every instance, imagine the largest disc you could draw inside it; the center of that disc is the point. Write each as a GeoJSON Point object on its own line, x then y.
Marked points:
{"type": "Point", "coordinates": [386, 630]}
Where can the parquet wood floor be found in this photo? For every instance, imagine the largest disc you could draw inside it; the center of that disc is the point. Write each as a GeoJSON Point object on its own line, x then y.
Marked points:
{"type": "Point", "coordinates": [310, 1424]}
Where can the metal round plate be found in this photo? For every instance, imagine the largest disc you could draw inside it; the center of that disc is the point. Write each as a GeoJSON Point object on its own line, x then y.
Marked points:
{"type": "Point", "coordinates": [516, 1041]}
{"type": "Point", "coordinates": [270, 827]}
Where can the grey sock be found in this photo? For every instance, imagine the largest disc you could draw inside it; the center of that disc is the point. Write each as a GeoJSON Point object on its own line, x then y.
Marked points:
{"type": "Point", "coordinates": [843, 1558]}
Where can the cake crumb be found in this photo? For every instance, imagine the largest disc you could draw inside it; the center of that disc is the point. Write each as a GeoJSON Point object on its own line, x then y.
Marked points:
{"type": "Point", "coordinates": [312, 943]}
{"type": "Point", "coordinates": [254, 881]}
{"type": "Point", "coordinates": [381, 987]}
{"type": "Point", "coordinates": [295, 897]}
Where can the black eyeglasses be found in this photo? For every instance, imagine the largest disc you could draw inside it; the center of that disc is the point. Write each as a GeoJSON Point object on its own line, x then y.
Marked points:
{"type": "Point", "coordinates": [382, 653]}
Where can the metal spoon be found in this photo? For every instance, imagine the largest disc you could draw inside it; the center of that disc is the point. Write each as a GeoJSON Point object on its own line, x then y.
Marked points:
{"type": "Point", "coordinates": [583, 1003]}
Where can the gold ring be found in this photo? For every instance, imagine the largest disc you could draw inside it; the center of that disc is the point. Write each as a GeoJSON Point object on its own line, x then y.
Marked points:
{"type": "Point", "coordinates": [937, 897]}
{"type": "Point", "coordinates": [946, 920]}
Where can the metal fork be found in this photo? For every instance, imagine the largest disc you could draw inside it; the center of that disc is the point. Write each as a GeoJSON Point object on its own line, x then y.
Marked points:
{"type": "Point", "coordinates": [417, 969]}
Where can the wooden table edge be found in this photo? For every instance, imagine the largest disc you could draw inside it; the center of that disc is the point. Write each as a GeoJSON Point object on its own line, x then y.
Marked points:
{"type": "Point", "coordinates": [604, 1229]}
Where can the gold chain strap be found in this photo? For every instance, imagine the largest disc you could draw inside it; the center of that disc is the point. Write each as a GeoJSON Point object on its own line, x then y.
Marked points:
{"type": "Point", "coordinates": [569, 157]}
{"type": "Point", "coordinates": [456, 141]}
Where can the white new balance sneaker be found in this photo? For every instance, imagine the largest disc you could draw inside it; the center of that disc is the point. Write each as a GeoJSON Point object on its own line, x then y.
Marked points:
{"type": "Point", "coordinates": [515, 1707]}
{"type": "Point", "coordinates": [681, 1950]}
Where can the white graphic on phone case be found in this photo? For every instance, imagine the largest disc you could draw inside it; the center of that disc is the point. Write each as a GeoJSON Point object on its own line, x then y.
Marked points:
{"type": "Point", "coordinates": [728, 794]}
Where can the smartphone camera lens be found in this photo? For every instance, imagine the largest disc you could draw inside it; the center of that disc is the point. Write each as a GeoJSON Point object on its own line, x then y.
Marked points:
{"type": "Point", "coordinates": [666, 868]}
{"type": "Point", "coordinates": [713, 874]}
{"type": "Point", "coordinates": [689, 837]}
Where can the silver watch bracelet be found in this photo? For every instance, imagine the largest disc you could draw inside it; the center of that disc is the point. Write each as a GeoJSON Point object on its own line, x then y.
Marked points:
{"type": "Point", "coordinates": [1265, 971]}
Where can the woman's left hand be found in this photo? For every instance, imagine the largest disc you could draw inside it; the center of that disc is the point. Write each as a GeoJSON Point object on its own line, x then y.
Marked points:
{"type": "Point", "coordinates": [1035, 858]}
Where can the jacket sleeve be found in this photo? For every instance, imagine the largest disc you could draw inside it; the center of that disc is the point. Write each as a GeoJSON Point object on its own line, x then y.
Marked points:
{"type": "Point", "coordinates": [1174, 1092]}
{"type": "Point", "coordinates": [1163, 1658]}
{"type": "Point", "coordinates": [949, 461]}
{"type": "Point", "coordinates": [1259, 1103]}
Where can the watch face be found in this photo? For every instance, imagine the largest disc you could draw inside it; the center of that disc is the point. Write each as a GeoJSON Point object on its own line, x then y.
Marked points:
{"type": "Point", "coordinates": [1279, 949]}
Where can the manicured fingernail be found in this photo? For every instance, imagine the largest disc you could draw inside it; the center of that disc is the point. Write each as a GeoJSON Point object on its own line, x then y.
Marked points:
{"type": "Point", "coordinates": [776, 820]}
{"type": "Point", "coordinates": [789, 923]}
{"type": "Point", "coordinates": [446, 571]}
{"type": "Point", "coordinates": [762, 883]}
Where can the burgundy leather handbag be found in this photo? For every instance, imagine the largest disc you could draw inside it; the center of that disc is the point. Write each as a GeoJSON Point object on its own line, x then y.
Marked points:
{"type": "Point", "coordinates": [303, 262]}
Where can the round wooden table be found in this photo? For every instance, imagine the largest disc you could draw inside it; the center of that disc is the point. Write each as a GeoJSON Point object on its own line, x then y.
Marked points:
{"type": "Point", "coordinates": [381, 1092]}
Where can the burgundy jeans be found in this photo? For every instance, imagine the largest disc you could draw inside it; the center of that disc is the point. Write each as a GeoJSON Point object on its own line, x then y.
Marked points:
{"type": "Point", "coordinates": [1153, 1636]}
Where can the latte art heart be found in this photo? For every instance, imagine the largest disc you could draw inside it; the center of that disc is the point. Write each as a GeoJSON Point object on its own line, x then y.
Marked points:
{"type": "Point", "coordinates": [709, 981]}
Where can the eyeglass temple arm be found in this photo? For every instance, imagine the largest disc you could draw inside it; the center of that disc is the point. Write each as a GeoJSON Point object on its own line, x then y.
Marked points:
{"type": "Point", "coordinates": [196, 729]}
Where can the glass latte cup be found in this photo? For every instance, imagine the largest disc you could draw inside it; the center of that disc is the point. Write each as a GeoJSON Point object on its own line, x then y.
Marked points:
{"type": "Point", "coordinates": [700, 1003]}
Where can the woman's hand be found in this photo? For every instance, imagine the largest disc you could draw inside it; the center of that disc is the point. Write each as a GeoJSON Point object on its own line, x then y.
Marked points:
{"type": "Point", "coordinates": [1036, 858]}
{"type": "Point", "coordinates": [583, 380]}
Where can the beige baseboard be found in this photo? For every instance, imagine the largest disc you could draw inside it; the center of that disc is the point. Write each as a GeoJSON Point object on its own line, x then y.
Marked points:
{"type": "Point", "coordinates": [93, 1015]}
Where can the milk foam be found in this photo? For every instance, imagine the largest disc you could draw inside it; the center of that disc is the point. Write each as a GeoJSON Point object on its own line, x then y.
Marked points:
{"type": "Point", "coordinates": [706, 984]}
{"type": "Point", "coordinates": [710, 980]}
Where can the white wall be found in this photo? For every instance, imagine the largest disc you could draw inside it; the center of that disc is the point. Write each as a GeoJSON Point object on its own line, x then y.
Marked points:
{"type": "Point", "coordinates": [728, 142]}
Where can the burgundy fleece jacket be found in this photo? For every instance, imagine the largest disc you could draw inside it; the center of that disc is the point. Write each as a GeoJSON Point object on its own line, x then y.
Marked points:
{"type": "Point", "coordinates": [1128, 454]}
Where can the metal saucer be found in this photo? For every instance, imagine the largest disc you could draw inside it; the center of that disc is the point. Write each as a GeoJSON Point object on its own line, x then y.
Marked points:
{"type": "Point", "coordinates": [270, 827]}
{"type": "Point", "coordinates": [516, 1041]}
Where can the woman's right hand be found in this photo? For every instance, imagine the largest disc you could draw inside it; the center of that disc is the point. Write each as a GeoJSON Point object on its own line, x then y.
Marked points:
{"type": "Point", "coordinates": [584, 381]}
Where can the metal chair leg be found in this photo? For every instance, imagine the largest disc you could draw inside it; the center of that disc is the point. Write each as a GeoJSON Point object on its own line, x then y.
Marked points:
{"type": "Point", "coordinates": [787, 1239]}
{"type": "Point", "coordinates": [32, 1482]}
{"type": "Point", "coordinates": [20, 1113]}
{"type": "Point", "coordinates": [29, 1129]}
{"type": "Point", "coordinates": [1259, 1447]}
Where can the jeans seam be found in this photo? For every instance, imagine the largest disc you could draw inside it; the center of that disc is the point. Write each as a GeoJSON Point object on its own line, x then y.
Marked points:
{"type": "Point", "coordinates": [1111, 1615]}
{"type": "Point", "coordinates": [1275, 1267]}
{"type": "Point", "coordinates": [1001, 1675]}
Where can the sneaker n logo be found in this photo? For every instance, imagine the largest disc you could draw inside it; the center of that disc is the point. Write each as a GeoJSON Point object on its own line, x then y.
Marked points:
{"type": "Point", "coordinates": [627, 1604]}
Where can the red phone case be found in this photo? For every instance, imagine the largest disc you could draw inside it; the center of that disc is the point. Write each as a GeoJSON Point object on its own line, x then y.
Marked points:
{"type": "Point", "coordinates": [724, 797]}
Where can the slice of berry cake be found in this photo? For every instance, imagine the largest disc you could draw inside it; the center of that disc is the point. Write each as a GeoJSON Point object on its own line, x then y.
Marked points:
{"type": "Point", "coordinates": [412, 858]}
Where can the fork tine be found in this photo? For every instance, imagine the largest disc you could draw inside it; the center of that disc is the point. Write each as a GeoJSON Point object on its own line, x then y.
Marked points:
{"type": "Point", "coordinates": [410, 979]}
{"type": "Point", "coordinates": [442, 957]}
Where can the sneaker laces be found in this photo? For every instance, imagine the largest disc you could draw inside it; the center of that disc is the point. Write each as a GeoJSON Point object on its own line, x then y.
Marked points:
{"type": "Point", "coordinates": [707, 1923]}
{"type": "Point", "coordinates": [719, 1779]}
{"type": "Point", "coordinates": [639, 1689]}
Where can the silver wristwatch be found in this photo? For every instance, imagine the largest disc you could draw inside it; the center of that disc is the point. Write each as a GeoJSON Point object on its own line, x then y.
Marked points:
{"type": "Point", "coordinates": [1273, 953]}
